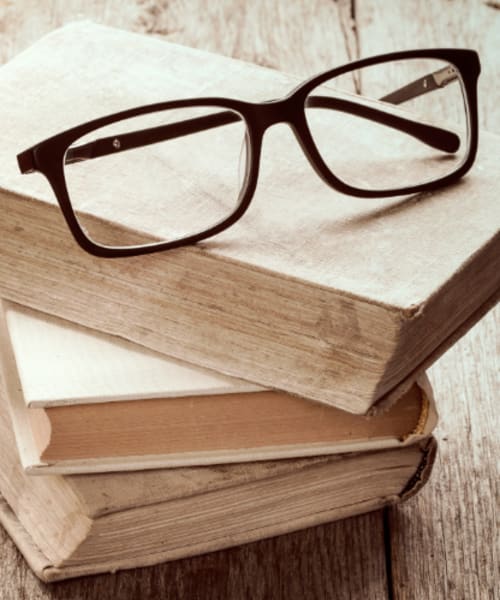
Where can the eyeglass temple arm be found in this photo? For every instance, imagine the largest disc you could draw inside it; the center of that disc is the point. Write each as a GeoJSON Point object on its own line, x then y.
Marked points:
{"type": "Point", "coordinates": [424, 85]}
{"type": "Point", "coordinates": [436, 137]}
{"type": "Point", "coordinates": [433, 136]}
{"type": "Point", "coordinates": [146, 137]}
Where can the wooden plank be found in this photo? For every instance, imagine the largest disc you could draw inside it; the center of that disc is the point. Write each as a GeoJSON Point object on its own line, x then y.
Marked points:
{"type": "Point", "coordinates": [23, 22]}
{"type": "Point", "coordinates": [387, 26]}
{"type": "Point", "coordinates": [295, 37]}
{"type": "Point", "coordinates": [443, 543]}
{"type": "Point", "coordinates": [292, 36]}
{"type": "Point", "coordinates": [332, 561]}
{"type": "Point", "coordinates": [341, 560]}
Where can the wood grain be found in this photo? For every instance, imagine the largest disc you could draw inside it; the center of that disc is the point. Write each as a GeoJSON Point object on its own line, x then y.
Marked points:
{"type": "Point", "coordinates": [285, 35]}
{"type": "Point", "coordinates": [332, 561]}
{"type": "Point", "coordinates": [389, 26]}
{"type": "Point", "coordinates": [444, 543]}
{"type": "Point", "coordinates": [452, 526]}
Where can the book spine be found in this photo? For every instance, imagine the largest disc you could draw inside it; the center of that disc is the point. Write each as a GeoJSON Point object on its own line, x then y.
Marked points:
{"type": "Point", "coordinates": [305, 517]}
{"type": "Point", "coordinates": [169, 302]}
{"type": "Point", "coordinates": [423, 472]}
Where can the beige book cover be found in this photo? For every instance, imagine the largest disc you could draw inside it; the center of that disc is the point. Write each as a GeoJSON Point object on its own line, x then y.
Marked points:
{"type": "Point", "coordinates": [73, 525]}
{"type": "Point", "coordinates": [86, 402]}
{"type": "Point", "coordinates": [343, 300]}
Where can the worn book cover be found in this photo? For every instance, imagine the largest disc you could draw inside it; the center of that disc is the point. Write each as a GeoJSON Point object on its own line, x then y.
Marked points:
{"type": "Point", "coordinates": [73, 525]}
{"type": "Point", "coordinates": [84, 402]}
{"type": "Point", "coordinates": [343, 300]}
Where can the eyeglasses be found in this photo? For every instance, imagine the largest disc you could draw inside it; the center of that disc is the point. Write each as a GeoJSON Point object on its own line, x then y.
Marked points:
{"type": "Point", "coordinates": [174, 173]}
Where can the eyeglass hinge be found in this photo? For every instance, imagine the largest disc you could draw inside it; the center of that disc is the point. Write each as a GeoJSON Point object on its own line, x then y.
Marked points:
{"type": "Point", "coordinates": [26, 161]}
{"type": "Point", "coordinates": [444, 76]}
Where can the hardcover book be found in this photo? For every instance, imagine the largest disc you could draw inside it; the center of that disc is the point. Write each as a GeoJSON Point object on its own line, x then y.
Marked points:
{"type": "Point", "coordinates": [72, 525]}
{"type": "Point", "coordinates": [342, 300]}
{"type": "Point", "coordinates": [86, 402]}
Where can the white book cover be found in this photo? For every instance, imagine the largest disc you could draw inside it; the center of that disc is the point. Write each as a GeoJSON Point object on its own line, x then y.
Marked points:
{"type": "Point", "coordinates": [50, 364]}
{"type": "Point", "coordinates": [63, 363]}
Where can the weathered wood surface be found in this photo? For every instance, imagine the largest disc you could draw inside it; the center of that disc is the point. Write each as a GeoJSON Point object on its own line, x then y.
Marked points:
{"type": "Point", "coordinates": [445, 544]}
{"type": "Point", "coordinates": [442, 543]}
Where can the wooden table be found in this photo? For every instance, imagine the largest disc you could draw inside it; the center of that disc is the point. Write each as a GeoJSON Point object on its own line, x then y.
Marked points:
{"type": "Point", "coordinates": [442, 543]}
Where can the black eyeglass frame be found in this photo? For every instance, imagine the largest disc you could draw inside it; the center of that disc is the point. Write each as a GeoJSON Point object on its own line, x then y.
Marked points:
{"type": "Point", "coordinates": [49, 156]}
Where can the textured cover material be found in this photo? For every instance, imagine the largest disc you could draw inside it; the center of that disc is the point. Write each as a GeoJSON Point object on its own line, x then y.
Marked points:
{"type": "Point", "coordinates": [234, 427]}
{"type": "Point", "coordinates": [46, 570]}
{"type": "Point", "coordinates": [62, 363]}
{"type": "Point", "coordinates": [74, 525]}
{"type": "Point", "coordinates": [365, 292]}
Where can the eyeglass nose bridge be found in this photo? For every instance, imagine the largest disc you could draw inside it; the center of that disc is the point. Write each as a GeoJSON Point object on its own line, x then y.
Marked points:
{"type": "Point", "coordinates": [289, 111]}
{"type": "Point", "coordinates": [271, 112]}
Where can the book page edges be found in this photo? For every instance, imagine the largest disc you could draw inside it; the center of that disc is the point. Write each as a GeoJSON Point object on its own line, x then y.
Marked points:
{"type": "Point", "coordinates": [157, 342]}
{"type": "Point", "coordinates": [425, 424]}
{"type": "Point", "coordinates": [29, 444]}
{"type": "Point", "coordinates": [419, 479]}
{"type": "Point", "coordinates": [172, 377]}
{"type": "Point", "coordinates": [192, 459]}
{"type": "Point", "coordinates": [49, 572]}
{"type": "Point", "coordinates": [10, 387]}
{"type": "Point", "coordinates": [428, 418]}
{"type": "Point", "coordinates": [391, 397]}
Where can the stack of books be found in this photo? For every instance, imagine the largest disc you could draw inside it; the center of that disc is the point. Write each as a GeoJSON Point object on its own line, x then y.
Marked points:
{"type": "Point", "coordinates": [264, 381]}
